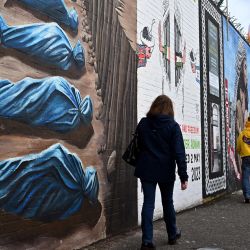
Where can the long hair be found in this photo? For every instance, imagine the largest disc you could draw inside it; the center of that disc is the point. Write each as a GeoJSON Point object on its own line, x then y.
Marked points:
{"type": "Point", "coordinates": [162, 105]}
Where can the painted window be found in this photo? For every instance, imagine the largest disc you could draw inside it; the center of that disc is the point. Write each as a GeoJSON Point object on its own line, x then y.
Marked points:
{"type": "Point", "coordinates": [214, 98]}
{"type": "Point", "coordinates": [213, 57]}
{"type": "Point", "coordinates": [215, 139]}
{"type": "Point", "coordinates": [167, 46]}
{"type": "Point", "coordinates": [178, 53]}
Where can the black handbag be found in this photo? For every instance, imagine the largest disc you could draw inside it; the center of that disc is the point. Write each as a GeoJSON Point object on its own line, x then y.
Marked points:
{"type": "Point", "coordinates": [131, 153]}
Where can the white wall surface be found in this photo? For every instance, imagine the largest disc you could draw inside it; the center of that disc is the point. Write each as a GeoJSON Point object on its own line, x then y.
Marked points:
{"type": "Point", "coordinates": [153, 82]}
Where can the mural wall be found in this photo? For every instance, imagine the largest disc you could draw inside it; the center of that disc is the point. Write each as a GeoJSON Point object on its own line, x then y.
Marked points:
{"type": "Point", "coordinates": [237, 80]}
{"type": "Point", "coordinates": [76, 77]}
{"type": "Point", "coordinates": [112, 25]}
{"type": "Point", "coordinates": [66, 70]}
{"type": "Point", "coordinates": [168, 62]}
{"type": "Point", "coordinates": [211, 108]}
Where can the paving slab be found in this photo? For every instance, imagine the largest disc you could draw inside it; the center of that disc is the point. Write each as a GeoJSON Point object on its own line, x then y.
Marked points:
{"type": "Point", "coordinates": [221, 224]}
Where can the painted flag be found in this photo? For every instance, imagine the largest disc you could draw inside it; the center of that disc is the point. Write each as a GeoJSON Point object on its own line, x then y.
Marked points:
{"type": "Point", "coordinates": [178, 60]}
{"type": "Point", "coordinates": [166, 52]}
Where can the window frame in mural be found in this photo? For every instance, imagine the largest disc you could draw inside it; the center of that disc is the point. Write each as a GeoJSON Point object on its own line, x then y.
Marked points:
{"type": "Point", "coordinates": [215, 149]}
{"type": "Point", "coordinates": [214, 99]}
{"type": "Point", "coordinates": [166, 32]}
{"type": "Point", "coordinates": [177, 47]}
{"type": "Point", "coordinates": [213, 182]}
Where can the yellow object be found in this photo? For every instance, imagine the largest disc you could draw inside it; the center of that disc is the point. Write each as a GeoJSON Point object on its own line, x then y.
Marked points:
{"type": "Point", "coordinates": [243, 141]}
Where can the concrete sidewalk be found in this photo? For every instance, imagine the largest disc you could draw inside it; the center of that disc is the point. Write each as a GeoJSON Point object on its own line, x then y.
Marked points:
{"type": "Point", "coordinates": [221, 224]}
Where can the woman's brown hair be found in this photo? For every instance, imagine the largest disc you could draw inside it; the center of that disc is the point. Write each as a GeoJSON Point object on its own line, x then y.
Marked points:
{"type": "Point", "coordinates": [162, 105]}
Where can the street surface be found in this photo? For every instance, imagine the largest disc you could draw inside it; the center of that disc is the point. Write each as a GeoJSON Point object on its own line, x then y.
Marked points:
{"type": "Point", "coordinates": [221, 224]}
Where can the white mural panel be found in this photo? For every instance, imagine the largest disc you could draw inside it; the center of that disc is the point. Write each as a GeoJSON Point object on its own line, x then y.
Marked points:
{"type": "Point", "coordinates": [168, 63]}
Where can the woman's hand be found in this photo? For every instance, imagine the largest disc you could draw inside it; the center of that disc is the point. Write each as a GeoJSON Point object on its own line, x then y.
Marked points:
{"type": "Point", "coordinates": [238, 176]}
{"type": "Point", "coordinates": [184, 185]}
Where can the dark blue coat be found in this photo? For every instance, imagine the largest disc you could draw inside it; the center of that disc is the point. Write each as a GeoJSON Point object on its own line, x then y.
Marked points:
{"type": "Point", "coordinates": [161, 147]}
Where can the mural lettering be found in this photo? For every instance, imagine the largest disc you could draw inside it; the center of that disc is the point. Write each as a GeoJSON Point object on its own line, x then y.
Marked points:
{"type": "Point", "coordinates": [196, 174]}
{"type": "Point", "coordinates": [193, 158]}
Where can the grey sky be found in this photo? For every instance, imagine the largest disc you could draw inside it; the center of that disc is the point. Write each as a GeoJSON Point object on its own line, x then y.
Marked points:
{"type": "Point", "coordinates": [241, 10]}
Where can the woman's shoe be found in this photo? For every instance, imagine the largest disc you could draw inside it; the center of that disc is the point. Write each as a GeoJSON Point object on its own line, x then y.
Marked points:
{"type": "Point", "coordinates": [246, 200]}
{"type": "Point", "coordinates": [148, 246]}
{"type": "Point", "coordinates": [177, 236]}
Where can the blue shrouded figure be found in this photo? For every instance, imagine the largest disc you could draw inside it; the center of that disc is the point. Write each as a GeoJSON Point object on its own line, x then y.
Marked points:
{"type": "Point", "coordinates": [55, 9]}
{"type": "Point", "coordinates": [45, 41]}
{"type": "Point", "coordinates": [50, 102]}
{"type": "Point", "coordinates": [51, 185]}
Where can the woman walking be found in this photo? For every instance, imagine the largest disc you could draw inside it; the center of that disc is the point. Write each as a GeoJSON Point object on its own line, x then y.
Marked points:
{"type": "Point", "coordinates": [161, 147]}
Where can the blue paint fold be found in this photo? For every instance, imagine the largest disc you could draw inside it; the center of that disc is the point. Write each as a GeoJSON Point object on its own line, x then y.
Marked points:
{"type": "Point", "coordinates": [50, 102]}
{"type": "Point", "coordinates": [55, 9]}
{"type": "Point", "coordinates": [51, 185]}
{"type": "Point", "coordinates": [45, 41]}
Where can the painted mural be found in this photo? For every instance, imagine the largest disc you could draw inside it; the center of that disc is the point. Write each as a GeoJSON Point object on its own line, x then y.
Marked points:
{"type": "Point", "coordinates": [146, 45]}
{"type": "Point", "coordinates": [116, 83]}
{"type": "Point", "coordinates": [47, 186]}
{"type": "Point", "coordinates": [47, 42]}
{"type": "Point", "coordinates": [76, 77]}
{"type": "Point", "coordinates": [57, 10]}
{"type": "Point", "coordinates": [174, 69]}
{"type": "Point", "coordinates": [237, 80]}
{"type": "Point", "coordinates": [68, 94]}
{"type": "Point", "coordinates": [50, 102]}
{"type": "Point", "coordinates": [51, 172]}
{"type": "Point", "coordinates": [212, 101]}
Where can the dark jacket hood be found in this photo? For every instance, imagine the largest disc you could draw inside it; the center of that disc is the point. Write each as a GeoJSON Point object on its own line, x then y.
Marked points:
{"type": "Point", "coordinates": [160, 121]}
